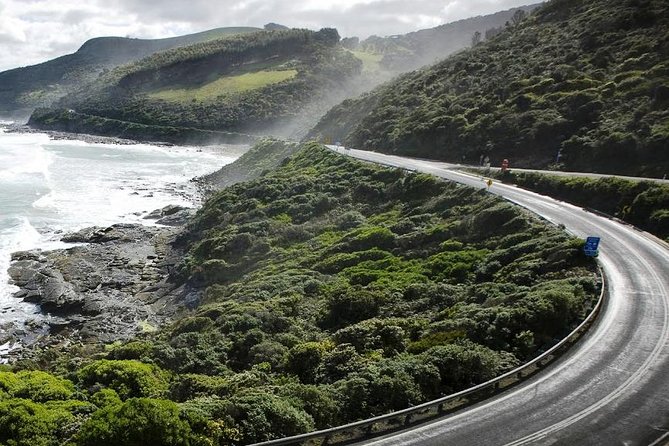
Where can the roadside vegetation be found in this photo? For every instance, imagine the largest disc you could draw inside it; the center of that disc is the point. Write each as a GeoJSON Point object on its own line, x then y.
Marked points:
{"type": "Point", "coordinates": [264, 156]}
{"type": "Point", "coordinates": [333, 290]}
{"type": "Point", "coordinates": [642, 203]}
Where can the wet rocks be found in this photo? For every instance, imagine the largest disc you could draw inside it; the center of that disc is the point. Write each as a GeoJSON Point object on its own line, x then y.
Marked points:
{"type": "Point", "coordinates": [107, 287]}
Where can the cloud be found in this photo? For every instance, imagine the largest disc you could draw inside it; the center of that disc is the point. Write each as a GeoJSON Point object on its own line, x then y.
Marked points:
{"type": "Point", "coordinates": [33, 31]}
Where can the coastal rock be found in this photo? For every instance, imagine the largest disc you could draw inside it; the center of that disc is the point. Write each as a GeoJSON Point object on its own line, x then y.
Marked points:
{"type": "Point", "coordinates": [110, 286]}
{"type": "Point", "coordinates": [164, 212]}
{"type": "Point", "coordinates": [179, 218]}
{"type": "Point", "coordinates": [41, 284]}
{"type": "Point", "coordinates": [95, 234]}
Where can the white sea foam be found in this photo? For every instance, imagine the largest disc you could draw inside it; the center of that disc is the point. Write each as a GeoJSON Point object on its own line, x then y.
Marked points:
{"type": "Point", "coordinates": [50, 187]}
{"type": "Point", "coordinates": [19, 236]}
{"type": "Point", "coordinates": [18, 161]}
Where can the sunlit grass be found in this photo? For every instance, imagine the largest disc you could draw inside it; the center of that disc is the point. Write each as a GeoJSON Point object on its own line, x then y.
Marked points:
{"type": "Point", "coordinates": [370, 62]}
{"type": "Point", "coordinates": [226, 85]}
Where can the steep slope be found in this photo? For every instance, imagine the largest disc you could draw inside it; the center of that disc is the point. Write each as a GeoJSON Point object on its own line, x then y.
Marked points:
{"type": "Point", "coordinates": [241, 84]}
{"type": "Point", "coordinates": [585, 83]}
{"type": "Point", "coordinates": [23, 89]}
{"type": "Point", "coordinates": [264, 156]}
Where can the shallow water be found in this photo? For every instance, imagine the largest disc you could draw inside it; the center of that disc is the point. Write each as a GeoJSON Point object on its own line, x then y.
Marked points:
{"type": "Point", "coordinates": [49, 187]}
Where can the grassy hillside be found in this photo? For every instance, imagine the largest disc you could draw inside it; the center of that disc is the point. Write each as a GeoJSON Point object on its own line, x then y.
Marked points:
{"type": "Point", "coordinates": [23, 89]}
{"type": "Point", "coordinates": [334, 290]}
{"type": "Point", "coordinates": [583, 81]}
{"type": "Point", "coordinates": [240, 84]}
{"type": "Point", "coordinates": [230, 85]}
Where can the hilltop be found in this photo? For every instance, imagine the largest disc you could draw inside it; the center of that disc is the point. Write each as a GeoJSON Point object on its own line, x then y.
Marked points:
{"type": "Point", "coordinates": [578, 85]}
{"type": "Point", "coordinates": [23, 89]}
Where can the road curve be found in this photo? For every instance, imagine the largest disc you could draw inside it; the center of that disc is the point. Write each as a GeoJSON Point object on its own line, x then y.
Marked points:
{"type": "Point", "coordinates": [612, 388]}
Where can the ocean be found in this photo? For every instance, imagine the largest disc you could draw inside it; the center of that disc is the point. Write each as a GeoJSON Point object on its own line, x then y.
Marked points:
{"type": "Point", "coordinates": [50, 187]}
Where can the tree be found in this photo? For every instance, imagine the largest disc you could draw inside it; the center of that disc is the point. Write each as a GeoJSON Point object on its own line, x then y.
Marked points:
{"type": "Point", "coordinates": [350, 43]}
{"type": "Point", "coordinates": [518, 16]}
{"type": "Point", "coordinates": [476, 38]}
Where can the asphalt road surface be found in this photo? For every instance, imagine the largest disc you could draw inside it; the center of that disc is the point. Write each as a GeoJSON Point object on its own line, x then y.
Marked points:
{"type": "Point", "coordinates": [612, 388]}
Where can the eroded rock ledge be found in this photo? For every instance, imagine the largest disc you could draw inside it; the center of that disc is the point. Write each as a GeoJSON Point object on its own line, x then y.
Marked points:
{"type": "Point", "coordinates": [111, 285]}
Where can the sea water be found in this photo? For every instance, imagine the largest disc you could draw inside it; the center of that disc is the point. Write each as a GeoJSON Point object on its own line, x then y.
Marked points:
{"type": "Point", "coordinates": [50, 187]}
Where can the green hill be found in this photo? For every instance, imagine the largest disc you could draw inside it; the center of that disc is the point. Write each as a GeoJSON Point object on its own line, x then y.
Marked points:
{"type": "Point", "coordinates": [23, 89]}
{"type": "Point", "coordinates": [586, 80]}
{"type": "Point", "coordinates": [241, 84]}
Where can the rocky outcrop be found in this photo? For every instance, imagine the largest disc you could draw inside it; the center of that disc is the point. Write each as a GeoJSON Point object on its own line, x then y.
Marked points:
{"type": "Point", "coordinates": [171, 215]}
{"type": "Point", "coordinates": [111, 285]}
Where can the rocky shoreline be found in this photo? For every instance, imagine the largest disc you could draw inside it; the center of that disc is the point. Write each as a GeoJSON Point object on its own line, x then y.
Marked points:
{"type": "Point", "coordinates": [112, 284]}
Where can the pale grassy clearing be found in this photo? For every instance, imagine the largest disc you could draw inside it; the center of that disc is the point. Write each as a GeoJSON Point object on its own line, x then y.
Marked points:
{"type": "Point", "coordinates": [225, 86]}
{"type": "Point", "coordinates": [370, 62]}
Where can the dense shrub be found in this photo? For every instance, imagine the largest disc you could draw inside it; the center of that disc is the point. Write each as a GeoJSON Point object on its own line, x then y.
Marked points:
{"type": "Point", "coordinates": [128, 378]}
{"type": "Point", "coordinates": [137, 422]}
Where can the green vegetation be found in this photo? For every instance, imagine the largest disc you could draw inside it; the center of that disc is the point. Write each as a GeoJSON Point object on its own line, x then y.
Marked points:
{"type": "Point", "coordinates": [641, 203]}
{"type": "Point", "coordinates": [226, 86]}
{"type": "Point", "coordinates": [588, 80]}
{"type": "Point", "coordinates": [273, 75]}
{"type": "Point", "coordinates": [68, 120]}
{"type": "Point", "coordinates": [406, 52]}
{"type": "Point", "coordinates": [332, 290]}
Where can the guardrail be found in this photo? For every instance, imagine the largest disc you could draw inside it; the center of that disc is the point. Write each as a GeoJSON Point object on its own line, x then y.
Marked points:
{"type": "Point", "coordinates": [383, 424]}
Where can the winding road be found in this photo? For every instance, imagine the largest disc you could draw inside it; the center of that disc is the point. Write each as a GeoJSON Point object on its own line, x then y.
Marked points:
{"type": "Point", "coordinates": [612, 387]}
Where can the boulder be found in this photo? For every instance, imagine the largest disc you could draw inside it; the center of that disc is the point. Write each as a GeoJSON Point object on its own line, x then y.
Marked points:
{"type": "Point", "coordinates": [164, 212]}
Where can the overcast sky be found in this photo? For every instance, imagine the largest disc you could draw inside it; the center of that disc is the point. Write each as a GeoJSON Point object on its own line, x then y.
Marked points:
{"type": "Point", "coordinates": [32, 31]}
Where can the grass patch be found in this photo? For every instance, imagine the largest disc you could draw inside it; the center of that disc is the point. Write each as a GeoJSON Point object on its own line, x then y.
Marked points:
{"type": "Point", "coordinates": [226, 85]}
{"type": "Point", "coordinates": [370, 62]}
